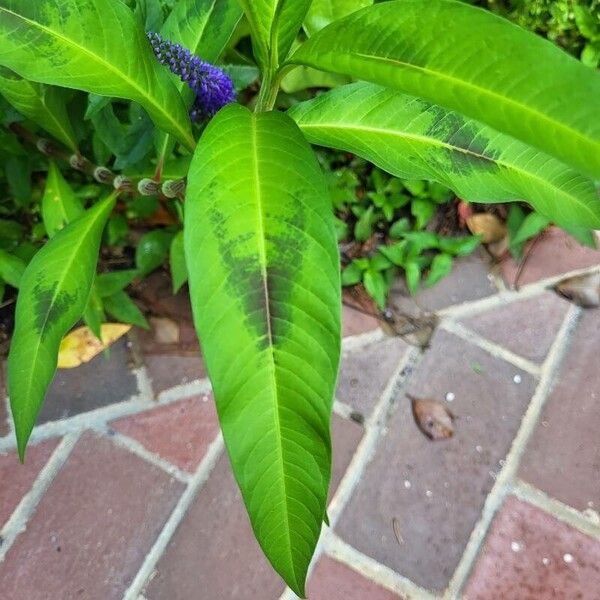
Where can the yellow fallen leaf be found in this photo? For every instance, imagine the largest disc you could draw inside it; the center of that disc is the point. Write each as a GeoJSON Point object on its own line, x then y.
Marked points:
{"type": "Point", "coordinates": [81, 345]}
{"type": "Point", "coordinates": [488, 226]}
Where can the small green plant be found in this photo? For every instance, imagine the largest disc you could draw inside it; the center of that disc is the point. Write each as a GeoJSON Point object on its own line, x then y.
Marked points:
{"type": "Point", "coordinates": [488, 110]}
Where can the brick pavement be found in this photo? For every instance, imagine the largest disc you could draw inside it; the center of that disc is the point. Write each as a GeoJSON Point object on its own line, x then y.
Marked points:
{"type": "Point", "coordinates": [127, 491]}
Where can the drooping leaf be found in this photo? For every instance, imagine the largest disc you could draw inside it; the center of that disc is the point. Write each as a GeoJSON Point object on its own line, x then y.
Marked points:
{"type": "Point", "coordinates": [54, 291]}
{"type": "Point", "coordinates": [470, 60]}
{"type": "Point", "coordinates": [93, 45]}
{"type": "Point", "coordinates": [440, 267]}
{"type": "Point", "coordinates": [125, 310]}
{"type": "Point", "coordinates": [179, 273]}
{"type": "Point", "coordinates": [11, 268]}
{"type": "Point", "coordinates": [323, 12]}
{"type": "Point", "coordinates": [93, 315]}
{"type": "Point", "coordinates": [274, 24]}
{"type": "Point", "coordinates": [532, 225]}
{"type": "Point", "coordinates": [45, 105]}
{"type": "Point", "coordinates": [412, 138]}
{"type": "Point", "coordinates": [60, 205]}
{"type": "Point", "coordinates": [265, 287]}
{"type": "Point", "coordinates": [109, 284]}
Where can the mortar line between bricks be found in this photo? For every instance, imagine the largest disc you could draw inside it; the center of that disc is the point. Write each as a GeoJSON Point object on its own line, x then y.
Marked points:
{"type": "Point", "coordinates": [509, 296]}
{"type": "Point", "coordinates": [195, 484]}
{"type": "Point", "coordinates": [23, 512]}
{"type": "Point", "coordinates": [490, 347]}
{"type": "Point", "coordinates": [364, 452]}
{"type": "Point", "coordinates": [95, 419]}
{"type": "Point", "coordinates": [504, 480]}
{"type": "Point", "coordinates": [139, 450]}
{"type": "Point", "coordinates": [341, 409]}
{"type": "Point", "coordinates": [373, 570]}
{"type": "Point", "coordinates": [561, 511]}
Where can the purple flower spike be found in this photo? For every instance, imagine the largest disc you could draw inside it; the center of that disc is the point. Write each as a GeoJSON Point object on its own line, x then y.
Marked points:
{"type": "Point", "coordinates": [213, 88]}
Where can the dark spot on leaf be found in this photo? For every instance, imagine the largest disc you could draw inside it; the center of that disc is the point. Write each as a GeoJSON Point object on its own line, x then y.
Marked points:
{"type": "Point", "coordinates": [49, 306]}
{"type": "Point", "coordinates": [472, 149]}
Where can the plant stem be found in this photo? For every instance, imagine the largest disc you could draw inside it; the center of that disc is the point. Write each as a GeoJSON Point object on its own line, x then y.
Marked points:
{"type": "Point", "coordinates": [268, 91]}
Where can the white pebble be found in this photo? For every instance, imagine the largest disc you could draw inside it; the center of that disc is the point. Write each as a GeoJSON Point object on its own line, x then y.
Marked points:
{"type": "Point", "coordinates": [517, 379]}
{"type": "Point", "coordinates": [515, 547]}
{"type": "Point", "coordinates": [545, 561]}
{"type": "Point", "coordinates": [479, 449]}
{"type": "Point", "coordinates": [450, 397]}
{"type": "Point", "coordinates": [568, 558]}
{"type": "Point", "coordinates": [429, 493]}
{"type": "Point", "coordinates": [407, 484]}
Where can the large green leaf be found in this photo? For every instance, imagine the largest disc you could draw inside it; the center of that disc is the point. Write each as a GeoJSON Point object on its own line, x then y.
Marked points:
{"type": "Point", "coordinates": [60, 205]}
{"type": "Point", "coordinates": [414, 139]}
{"type": "Point", "coordinates": [265, 286]}
{"type": "Point", "coordinates": [93, 45]}
{"type": "Point", "coordinates": [323, 12]}
{"type": "Point", "coordinates": [470, 60]}
{"type": "Point", "coordinates": [53, 295]}
{"type": "Point", "coordinates": [204, 27]}
{"type": "Point", "coordinates": [274, 24]}
{"type": "Point", "coordinates": [45, 105]}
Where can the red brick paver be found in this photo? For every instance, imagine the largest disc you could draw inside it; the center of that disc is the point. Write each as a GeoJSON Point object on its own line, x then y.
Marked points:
{"type": "Point", "coordinates": [180, 432]}
{"type": "Point", "coordinates": [530, 555]}
{"type": "Point", "coordinates": [431, 494]}
{"type": "Point", "coordinates": [554, 254]}
{"type": "Point", "coordinates": [563, 457]}
{"type": "Point", "coordinates": [332, 580]}
{"type": "Point", "coordinates": [92, 529]}
{"type": "Point", "coordinates": [16, 479]}
{"type": "Point", "coordinates": [527, 328]}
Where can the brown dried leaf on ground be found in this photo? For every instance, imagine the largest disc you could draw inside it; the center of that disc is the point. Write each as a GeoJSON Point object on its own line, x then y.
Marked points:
{"type": "Point", "coordinates": [488, 226]}
{"type": "Point", "coordinates": [433, 418]}
{"type": "Point", "coordinates": [81, 345]}
{"type": "Point", "coordinates": [583, 290]}
{"type": "Point", "coordinates": [416, 331]}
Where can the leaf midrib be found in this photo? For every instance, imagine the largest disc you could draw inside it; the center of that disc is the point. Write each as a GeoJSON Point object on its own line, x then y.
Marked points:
{"type": "Point", "coordinates": [435, 142]}
{"type": "Point", "coordinates": [140, 91]}
{"type": "Point", "coordinates": [262, 251]}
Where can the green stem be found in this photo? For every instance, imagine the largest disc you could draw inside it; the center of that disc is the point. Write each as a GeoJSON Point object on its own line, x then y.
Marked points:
{"type": "Point", "coordinates": [268, 92]}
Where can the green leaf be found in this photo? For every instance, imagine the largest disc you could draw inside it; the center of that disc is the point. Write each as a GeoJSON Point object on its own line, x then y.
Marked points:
{"type": "Point", "coordinates": [399, 228]}
{"type": "Point", "coordinates": [414, 139]}
{"type": "Point", "coordinates": [352, 274]}
{"type": "Point", "coordinates": [323, 12]}
{"type": "Point", "coordinates": [274, 24]}
{"type": "Point", "coordinates": [258, 229]}
{"type": "Point", "coordinates": [440, 267]}
{"type": "Point", "coordinates": [413, 276]}
{"type": "Point", "coordinates": [152, 250]}
{"type": "Point", "coordinates": [363, 229]}
{"type": "Point", "coordinates": [11, 234]}
{"type": "Point", "coordinates": [53, 294]}
{"type": "Point", "coordinates": [516, 216]}
{"type": "Point", "coordinates": [45, 105]}
{"type": "Point", "coordinates": [60, 205]}
{"type": "Point", "coordinates": [125, 310]}
{"type": "Point", "coordinates": [396, 253]}
{"type": "Point", "coordinates": [11, 268]}
{"type": "Point", "coordinates": [94, 313]}
{"type": "Point", "coordinates": [422, 210]}
{"type": "Point", "coordinates": [482, 66]}
{"type": "Point", "coordinates": [179, 273]}
{"type": "Point", "coordinates": [532, 225]}
{"type": "Point", "coordinates": [586, 237]}
{"type": "Point", "coordinates": [460, 246]}
{"type": "Point", "coordinates": [376, 286]}
{"type": "Point", "coordinates": [108, 284]}
{"type": "Point", "coordinates": [93, 45]}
